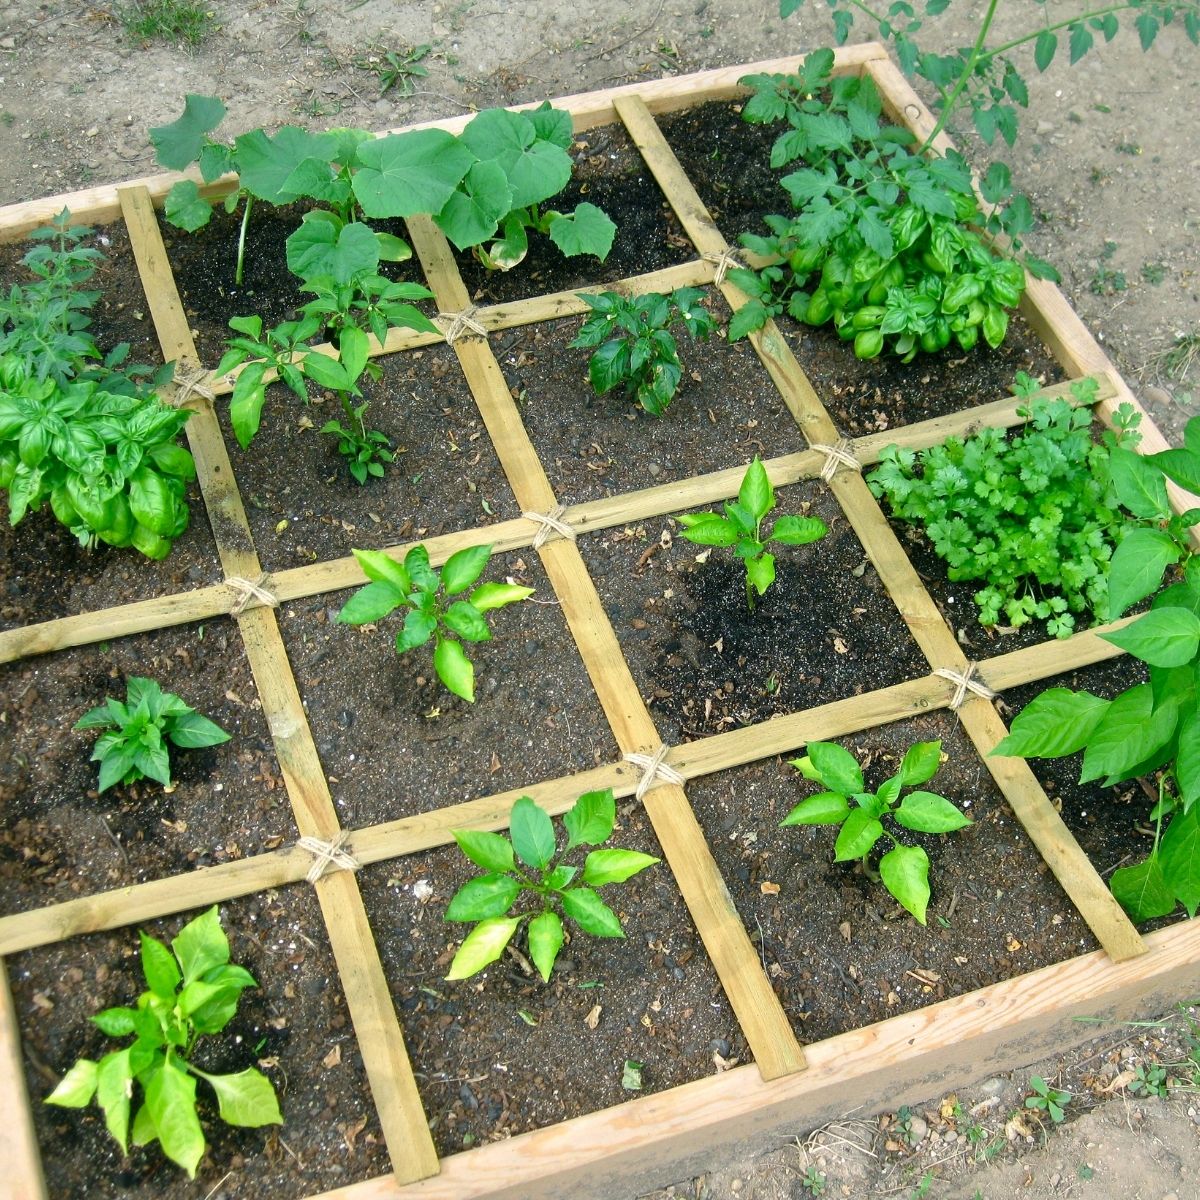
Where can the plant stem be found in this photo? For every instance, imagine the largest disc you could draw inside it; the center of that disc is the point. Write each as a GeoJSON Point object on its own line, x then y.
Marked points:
{"type": "Point", "coordinates": [977, 52]}
{"type": "Point", "coordinates": [241, 251]}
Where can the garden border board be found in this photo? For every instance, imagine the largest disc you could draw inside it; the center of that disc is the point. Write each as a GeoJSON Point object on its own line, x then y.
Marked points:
{"type": "Point", "coordinates": [649, 1140]}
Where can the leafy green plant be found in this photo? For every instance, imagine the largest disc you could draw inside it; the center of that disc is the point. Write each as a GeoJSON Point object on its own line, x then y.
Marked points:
{"type": "Point", "coordinates": [138, 729]}
{"type": "Point", "coordinates": [396, 68]}
{"type": "Point", "coordinates": [1035, 517]}
{"type": "Point", "coordinates": [165, 20]}
{"type": "Point", "coordinates": [813, 1182]}
{"type": "Point", "coordinates": [193, 991]}
{"type": "Point", "coordinates": [432, 613]}
{"type": "Point", "coordinates": [531, 863]}
{"type": "Point", "coordinates": [883, 227]}
{"type": "Point", "coordinates": [345, 313]}
{"type": "Point", "coordinates": [1051, 1101]}
{"type": "Point", "coordinates": [742, 528]}
{"type": "Point", "coordinates": [79, 429]}
{"type": "Point", "coordinates": [636, 347]}
{"type": "Point", "coordinates": [903, 869]}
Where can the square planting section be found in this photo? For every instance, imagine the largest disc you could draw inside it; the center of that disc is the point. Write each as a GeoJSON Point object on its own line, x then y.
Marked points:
{"type": "Point", "coordinates": [636, 666]}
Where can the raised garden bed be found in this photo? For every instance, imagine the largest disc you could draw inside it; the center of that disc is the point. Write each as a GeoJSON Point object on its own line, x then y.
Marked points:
{"type": "Point", "coordinates": [720, 973]}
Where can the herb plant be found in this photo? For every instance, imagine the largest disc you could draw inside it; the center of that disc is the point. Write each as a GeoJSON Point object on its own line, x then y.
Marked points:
{"type": "Point", "coordinates": [192, 992]}
{"type": "Point", "coordinates": [138, 730]}
{"type": "Point", "coordinates": [531, 863]}
{"type": "Point", "coordinates": [1153, 727]}
{"type": "Point", "coordinates": [636, 347]}
{"type": "Point", "coordinates": [742, 528]}
{"type": "Point", "coordinates": [426, 593]}
{"type": "Point", "coordinates": [1035, 517]}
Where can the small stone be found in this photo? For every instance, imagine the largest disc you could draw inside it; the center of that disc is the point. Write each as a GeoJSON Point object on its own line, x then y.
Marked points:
{"type": "Point", "coordinates": [1045, 127]}
{"type": "Point", "coordinates": [1157, 395]}
{"type": "Point", "coordinates": [918, 1127]}
{"type": "Point", "coordinates": [654, 469]}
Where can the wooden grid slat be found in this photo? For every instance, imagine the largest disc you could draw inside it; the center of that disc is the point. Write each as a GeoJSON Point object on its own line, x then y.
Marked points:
{"type": "Point", "coordinates": [19, 1154]}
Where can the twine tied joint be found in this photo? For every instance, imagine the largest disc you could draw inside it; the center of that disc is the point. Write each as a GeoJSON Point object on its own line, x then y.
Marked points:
{"type": "Point", "coordinates": [727, 260]}
{"type": "Point", "coordinates": [551, 522]}
{"type": "Point", "coordinates": [654, 770]}
{"type": "Point", "coordinates": [191, 380]}
{"type": "Point", "coordinates": [328, 856]}
{"type": "Point", "coordinates": [251, 590]}
{"type": "Point", "coordinates": [836, 455]}
{"type": "Point", "coordinates": [460, 323]}
{"type": "Point", "coordinates": [964, 683]}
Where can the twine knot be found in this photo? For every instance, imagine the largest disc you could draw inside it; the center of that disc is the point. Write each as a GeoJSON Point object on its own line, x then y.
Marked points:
{"type": "Point", "coordinates": [654, 770]}
{"type": "Point", "coordinates": [551, 522]}
{"type": "Point", "coordinates": [251, 590]}
{"type": "Point", "coordinates": [193, 380]}
{"type": "Point", "coordinates": [965, 683]}
{"type": "Point", "coordinates": [836, 455]}
{"type": "Point", "coordinates": [726, 260]}
{"type": "Point", "coordinates": [328, 856]}
{"type": "Point", "coordinates": [460, 323]}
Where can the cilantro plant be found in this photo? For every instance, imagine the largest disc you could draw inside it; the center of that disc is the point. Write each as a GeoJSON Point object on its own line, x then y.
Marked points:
{"type": "Point", "coordinates": [530, 863]}
{"type": "Point", "coordinates": [432, 614]}
{"type": "Point", "coordinates": [742, 528]}
{"type": "Point", "coordinates": [344, 312]}
{"type": "Point", "coordinates": [138, 729]}
{"type": "Point", "coordinates": [79, 429]}
{"type": "Point", "coordinates": [846, 802]}
{"type": "Point", "coordinates": [636, 347]}
{"type": "Point", "coordinates": [1035, 517]}
{"type": "Point", "coordinates": [192, 992]}
{"type": "Point", "coordinates": [881, 242]}
{"type": "Point", "coordinates": [1153, 727]}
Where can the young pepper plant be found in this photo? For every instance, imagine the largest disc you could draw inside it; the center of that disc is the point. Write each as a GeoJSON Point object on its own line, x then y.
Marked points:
{"type": "Point", "coordinates": [432, 613]}
{"type": "Point", "coordinates": [193, 991]}
{"type": "Point", "coordinates": [846, 802]}
{"type": "Point", "coordinates": [530, 863]}
{"type": "Point", "coordinates": [742, 528]}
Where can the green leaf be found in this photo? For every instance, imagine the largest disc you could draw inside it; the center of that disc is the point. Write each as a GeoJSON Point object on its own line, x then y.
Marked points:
{"type": "Point", "coordinates": [587, 230]}
{"type": "Point", "coordinates": [116, 1022]}
{"type": "Point", "coordinates": [492, 851]}
{"type": "Point", "coordinates": [836, 768]}
{"type": "Point", "coordinates": [1165, 637]}
{"type": "Point", "coordinates": [860, 831]}
{"type": "Point", "coordinates": [1187, 762]}
{"type": "Point", "coordinates": [614, 866]}
{"type": "Point", "coordinates": [159, 967]}
{"type": "Point", "coordinates": [353, 351]}
{"type": "Point", "coordinates": [591, 914]}
{"type": "Point", "coordinates": [178, 144]}
{"type": "Point", "coordinates": [589, 821]}
{"type": "Point", "coordinates": [545, 941]}
{"type": "Point", "coordinates": [473, 212]}
{"type": "Point", "coordinates": [532, 833]}
{"type": "Point", "coordinates": [454, 668]}
{"type": "Point", "coordinates": [1179, 854]}
{"type": "Point", "coordinates": [482, 946]}
{"type": "Point", "coordinates": [489, 596]}
{"type": "Point", "coordinates": [1127, 734]}
{"type": "Point", "coordinates": [77, 1087]}
{"type": "Point", "coordinates": [1056, 723]}
{"type": "Point", "coordinates": [921, 762]}
{"type": "Point", "coordinates": [371, 603]}
{"type": "Point", "coordinates": [1142, 890]}
{"type": "Point", "coordinates": [407, 173]}
{"type": "Point", "coordinates": [1140, 487]}
{"type": "Point", "coordinates": [192, 732]}
{"type": "Point", "coordinates": [708, 529]}
{"type": "Point", "coordinates": [927, 812]}
{"type": "Point", "coordinates": [247, 1099]}
{"type": "Point", "coordinates": [798, 531]}
{"type": "Point", "coordinates": [1044, 48]}
{"type": "Point", "coordinates": [463, 568]}
{"type": "Point", "coordinates": [382, 568]}
{"type": "Point", "coordinates": [321, 249]}
{"type": "Point", "coordinates": [114, 1086]}
{"type": "Point", "coordinates": [756, 495]}
{"type": "Point", "coordinates": [535, 168]}
{"type": "Point", "coordinates": [905, 873]}
{"type": "Point", "coordinates": [171, 1099]}
{"type": "Point", "coordinates": [265, 162]}
{"type": "Point", "coordinates": [825, 808]}
{"type": "Point", "coordinates": [760, 572]}
{"type": "Point", "coordinates": [467, 621]}
{"type": "Point", "coordinates": [185, 208]}
{"type": "Point", "coordinates": [488, 896]}
{"type": "Point", "coordinates": [201, 945]}
{"type": "Point", "coordinates": [1180, 466]}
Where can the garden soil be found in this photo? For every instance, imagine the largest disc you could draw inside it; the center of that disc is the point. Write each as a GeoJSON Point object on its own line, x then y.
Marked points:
{"type": "Point", "coordinates": [1109, 154]}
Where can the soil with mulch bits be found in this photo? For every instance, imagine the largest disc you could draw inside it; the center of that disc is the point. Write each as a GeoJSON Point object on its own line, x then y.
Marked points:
{"type": "Point", "coordinates": [395, 742]}
{"type": "Point", "coordinates": [840, 950]}
{"type": "Point", "coordinates": [825, 630]}
{"type": "Point", "coordinates": [60, 838]}
{"type": "Point", "coordinates": [294, 1027]}
{"type": "Point", "coordinates": [611, 174]}
{"type": "Point", "coordinates": [303, 504]}
{"type": "Point", "coordinates": [503, 1052]}
{"type": "Point", "coordinates": [727, 411]}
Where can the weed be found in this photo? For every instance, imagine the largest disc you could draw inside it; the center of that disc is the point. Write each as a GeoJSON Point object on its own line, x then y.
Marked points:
{"type": "Point", "coordinates": [1150, 1079]}
{"type": "Point", "coordinates": [396, 68]}
{"type": "Point", "coordinates": [813, 1182]}
{"type": "Point", "coordinates": [166, 21]}
{"type": "Point", "coordinates": [1154, 273]}
{"type": "Point", "coordinates": [1051, 1101]}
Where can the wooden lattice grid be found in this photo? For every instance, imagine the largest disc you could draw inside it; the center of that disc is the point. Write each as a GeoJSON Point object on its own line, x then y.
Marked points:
{"type": "Point", "coordinates": [654, 1134]}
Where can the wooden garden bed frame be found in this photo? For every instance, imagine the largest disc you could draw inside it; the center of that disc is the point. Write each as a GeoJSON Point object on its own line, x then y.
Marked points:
{"type": "Point", "coordinates": [647, 1141]}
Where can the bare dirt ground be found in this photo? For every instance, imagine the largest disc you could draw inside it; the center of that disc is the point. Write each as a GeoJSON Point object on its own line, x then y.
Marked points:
{"type": "Point", "coordinates": [1109, 153]}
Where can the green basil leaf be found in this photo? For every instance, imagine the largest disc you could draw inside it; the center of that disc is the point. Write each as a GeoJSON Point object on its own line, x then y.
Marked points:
{"type": "Point", "coordinates": [1179, 854]}
{"type": "Point", "coordinates": [1056, 723]}
{"type": "Point", "coordinates": [454, 668]}
{"type": "Point", "coordinates": [492, 851]}
{"type": "Point", "coordinates": [1165, 637]}
{"type": "Point", "coordinates": [1142, 890]}
{"type": "Point", "coordinates": [860, 831]}
{"type": "Point", "coordinates": [836, 768]}
{"type": "Point", "coordinates": [921, 762]}
{"type": "Point", "coordinates": [371, 603]}
{"type": "Point", "coordinates": [463, 568]}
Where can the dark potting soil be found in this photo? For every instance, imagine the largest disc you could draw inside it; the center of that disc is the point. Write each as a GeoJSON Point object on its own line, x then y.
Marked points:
{"type": "Point", "coordinates": [825, 630]}
{"type": "Point", "coordinates": [60, 839]}
{"type": "Point", "coordinates": [503, 1052]}
{"type": "Point", "coordinates": [393, 740]}
{"type": "Point", "coordinates": [840, 950]}
{"type": "Point", "coordinates": [294, 1027]}
{"type": "Point", "coordinates": [611, 174]}
{"type": "Point", "coordinates": [445, 475]}
{"type": "Point", "coordinates": [727, 411]}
